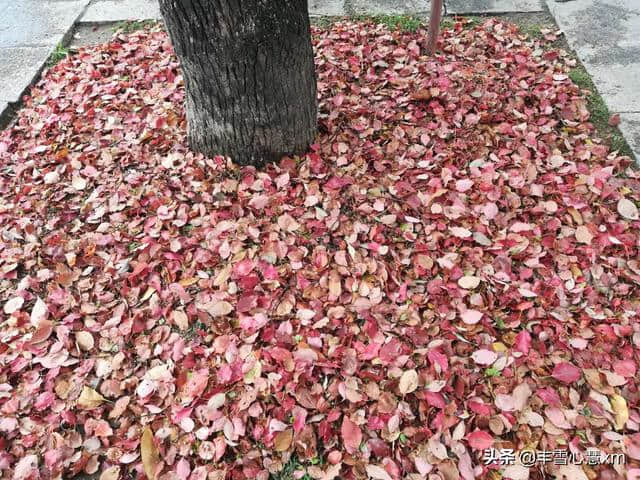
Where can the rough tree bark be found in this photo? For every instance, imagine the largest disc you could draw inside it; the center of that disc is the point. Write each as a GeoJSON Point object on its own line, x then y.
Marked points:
{"type": "Point", "coordinates": [249, 76]}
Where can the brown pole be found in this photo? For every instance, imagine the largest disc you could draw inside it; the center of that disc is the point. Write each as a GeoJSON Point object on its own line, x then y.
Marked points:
{"type": "Point", "coordinates": [434, 25]}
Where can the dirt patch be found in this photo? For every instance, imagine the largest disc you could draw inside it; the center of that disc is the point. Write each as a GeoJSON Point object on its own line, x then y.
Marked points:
{"type": "Point", "coordinates": [91, 34]}
{"type": "Point", "coordinates": [87, 35]}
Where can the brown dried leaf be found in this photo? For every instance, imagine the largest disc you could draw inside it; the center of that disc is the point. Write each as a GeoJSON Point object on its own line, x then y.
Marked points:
{"type": "Point", "coordinates": [408, 382]}
{"type": "Point", "coordinates": [282, 440]}
{"type": "Point", "coordinates": [149, 454]}
{"type": "Point", "coordinates": [89, 398]}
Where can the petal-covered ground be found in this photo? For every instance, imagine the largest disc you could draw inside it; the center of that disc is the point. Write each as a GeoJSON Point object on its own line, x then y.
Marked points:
{"type": "Point", "coordinates": [453, 268]}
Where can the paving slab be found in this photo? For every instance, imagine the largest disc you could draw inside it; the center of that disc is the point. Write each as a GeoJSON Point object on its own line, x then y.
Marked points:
{"type": "Point", "coordinates": [630, 128]}
{"type": "Point", "coordinates": [121, 10]}
{"type": "Point", "coordinates": [387, 7]}
{"type": "Point", "coordinates": [605, 35]}
{"type": "Point", "coordinates": [19, 66]}
{"type": "Point", "coordinates": [617, 83]}
{"type": "Point", "coordinates": [327, 8]}
{"type": "Point", "coordinates": [602, 32]}
{"type": "Point", "coordinates": [103, 11]}
{"type": "Point", "coordinates": [493, 6]}
{"type": "Point", "coordinates": [37, 22]}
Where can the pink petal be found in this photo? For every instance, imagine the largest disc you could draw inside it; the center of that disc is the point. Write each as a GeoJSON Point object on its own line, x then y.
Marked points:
{"type": "Point", "coordinates": [479, 440]}
{"type": "Point", "coordinates": [566, 372]}
{"type": "Point", "coordinates": [471, 317]}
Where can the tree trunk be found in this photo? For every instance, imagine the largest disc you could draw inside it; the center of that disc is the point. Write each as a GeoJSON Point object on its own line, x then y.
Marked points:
{"type": "Point", "coordinates": [434, 25]}
{"type": "Point", "coordinates": [249, 76]}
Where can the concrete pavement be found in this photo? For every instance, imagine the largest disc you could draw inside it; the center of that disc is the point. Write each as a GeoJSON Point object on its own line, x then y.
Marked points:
{"type": "Point", "coordinates": [467, 7]}
{"type": "Point", "coordinates": [29, 33]}
{"type": "Point", "coordinates": [605, 34]}
{"type": "Point", "coordinates": [102, 10]}
{"type": "Point", "coordinates": [119, 10]}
